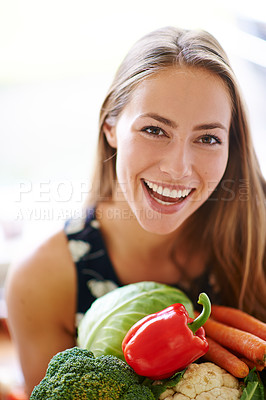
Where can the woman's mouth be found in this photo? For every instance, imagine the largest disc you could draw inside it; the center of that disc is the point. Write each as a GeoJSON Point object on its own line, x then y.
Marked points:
{"type": "Point", "coordinates": [164, 196]}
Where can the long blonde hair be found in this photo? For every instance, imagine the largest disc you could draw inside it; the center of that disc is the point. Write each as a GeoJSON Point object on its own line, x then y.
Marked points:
{"type": "Point", "coordinates": [231, 224]}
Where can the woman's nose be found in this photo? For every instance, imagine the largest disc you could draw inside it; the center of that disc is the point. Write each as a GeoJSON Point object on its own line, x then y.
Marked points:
{"type": "Point", "coordinates": [177, 161]}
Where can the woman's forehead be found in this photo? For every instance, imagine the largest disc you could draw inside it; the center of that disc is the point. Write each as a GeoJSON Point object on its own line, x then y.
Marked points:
{"type": "Point", "coordinates": [180, 76]}
{"type": "Point", "coordinates": [175, 89]}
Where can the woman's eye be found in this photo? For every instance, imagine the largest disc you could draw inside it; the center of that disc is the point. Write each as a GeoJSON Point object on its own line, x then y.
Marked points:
{"type": "Point", "coordinates": [210, 140]}
{"type": "Point", "coordinates": [154, 130]}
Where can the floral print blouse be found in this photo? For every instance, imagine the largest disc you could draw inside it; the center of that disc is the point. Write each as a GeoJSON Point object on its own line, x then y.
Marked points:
{"type": "Point", "coordinates": [95, 273]}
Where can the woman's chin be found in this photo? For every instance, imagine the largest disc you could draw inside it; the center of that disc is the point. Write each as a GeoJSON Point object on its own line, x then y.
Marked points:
{"type": "Point", "coordinates": [157, 223]}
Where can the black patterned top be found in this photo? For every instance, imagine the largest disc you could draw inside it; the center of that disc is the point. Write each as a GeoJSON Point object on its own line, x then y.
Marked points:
{"type": "Point", "coordinates": [95, 273]}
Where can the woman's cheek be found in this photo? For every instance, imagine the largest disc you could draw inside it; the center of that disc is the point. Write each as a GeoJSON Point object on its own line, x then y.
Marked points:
{"type": "Point", "coordinates": [215, 172]}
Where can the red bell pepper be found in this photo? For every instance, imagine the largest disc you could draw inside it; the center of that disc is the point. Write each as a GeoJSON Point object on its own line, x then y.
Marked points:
{"type": "Point", "coordinates": [163, 343]}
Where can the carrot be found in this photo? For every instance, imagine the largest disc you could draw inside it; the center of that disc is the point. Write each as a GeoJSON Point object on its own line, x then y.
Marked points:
{"type": "Point", "coordinates": [239, 319]}
{"type": "Point", "coordinates": [251, 364]}
{"type": "Point", "coordinates": [245, 343]}
{"type": "Point", "coordinates": [226, 360]}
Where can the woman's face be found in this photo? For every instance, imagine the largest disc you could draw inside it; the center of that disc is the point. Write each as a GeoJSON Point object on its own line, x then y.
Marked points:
{"type": "Point", "coordinates": [172, 145]}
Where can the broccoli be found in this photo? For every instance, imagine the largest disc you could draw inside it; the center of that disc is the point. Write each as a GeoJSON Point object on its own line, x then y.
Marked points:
{"type": "Point", "coordinates": [77, 374]}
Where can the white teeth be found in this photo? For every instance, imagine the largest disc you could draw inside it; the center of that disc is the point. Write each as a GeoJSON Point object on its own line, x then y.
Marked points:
{"type": "Point", "coordinates": [149, 184]}
{"type": "Point", "coordinates": [159, 190]}
{"type": "Point", "coordinates": [167, 192]}
{"type": "Point", "coordinates": [167, 203]}
{"type": "Point", "coordinates": [174, 193]}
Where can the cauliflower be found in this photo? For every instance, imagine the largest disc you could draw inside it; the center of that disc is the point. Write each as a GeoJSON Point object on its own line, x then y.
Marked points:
{"type": "Point", "coordinates": [204, 381]}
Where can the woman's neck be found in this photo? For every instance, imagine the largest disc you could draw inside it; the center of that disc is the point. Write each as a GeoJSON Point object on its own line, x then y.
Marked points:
{"type": "Point", "coordinates": [140, 255]}
{"type": "Point", "coordinates": [119, 225]}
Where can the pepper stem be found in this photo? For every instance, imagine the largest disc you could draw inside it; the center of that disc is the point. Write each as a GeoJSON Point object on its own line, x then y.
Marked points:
{"type": "Point", "coordinates": [204, 315]}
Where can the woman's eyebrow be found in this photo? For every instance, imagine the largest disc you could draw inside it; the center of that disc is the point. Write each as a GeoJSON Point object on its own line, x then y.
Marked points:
{"type": "Point", "coordinates": [172, 124]}
{"type": "Point", "coordinates": [211, 125]}
{"type": "Point", "coordinates": [159, 118]}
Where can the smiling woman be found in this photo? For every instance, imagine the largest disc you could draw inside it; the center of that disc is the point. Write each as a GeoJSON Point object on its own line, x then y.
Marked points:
{"type": "Point", "coordinates": [192, 95]}
{"type": "Point", "coordinates": [167, 203]}
{"type": "Point", "coordinates": [177, 122]}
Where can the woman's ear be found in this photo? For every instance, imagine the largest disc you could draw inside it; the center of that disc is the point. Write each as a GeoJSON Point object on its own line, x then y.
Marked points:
{"type": "Point", "coordinates": [110, 134]}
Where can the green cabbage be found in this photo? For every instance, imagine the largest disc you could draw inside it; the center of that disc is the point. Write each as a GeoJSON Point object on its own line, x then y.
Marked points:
{"type": "Point", "coordinates": [107, 321]}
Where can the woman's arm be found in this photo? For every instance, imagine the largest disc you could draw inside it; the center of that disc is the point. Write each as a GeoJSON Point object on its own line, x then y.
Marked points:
{"type": "Point", "coordinates": [41, 302]}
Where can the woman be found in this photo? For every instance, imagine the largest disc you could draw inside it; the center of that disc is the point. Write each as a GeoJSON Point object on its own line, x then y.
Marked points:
{"type": "Point", "coordinates": [178, 198]}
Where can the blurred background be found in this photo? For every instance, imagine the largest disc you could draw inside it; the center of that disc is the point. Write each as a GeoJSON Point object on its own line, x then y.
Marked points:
{"type": "Point", "coordinates": [57, 59]}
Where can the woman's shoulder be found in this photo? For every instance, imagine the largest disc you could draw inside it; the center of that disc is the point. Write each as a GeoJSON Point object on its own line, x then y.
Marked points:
{"type": "Point", "coordinates": [48, 258]}
{"type": "Point", "coordinates": [41, 302]}
{"type": "Point", "coordinates": [45, 278]}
